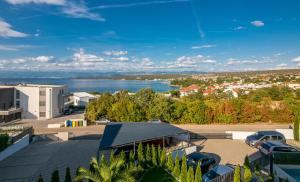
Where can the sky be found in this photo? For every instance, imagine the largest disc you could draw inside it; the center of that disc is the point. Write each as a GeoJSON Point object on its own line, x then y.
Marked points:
{"type": "Point", "coordinates": [149, 35]}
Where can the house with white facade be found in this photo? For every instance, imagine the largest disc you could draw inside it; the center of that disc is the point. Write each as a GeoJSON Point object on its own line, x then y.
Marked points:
{"type": "Point", "coordinates": [82, 98]}
{"type": "Point", "coordinates": [40, 101]}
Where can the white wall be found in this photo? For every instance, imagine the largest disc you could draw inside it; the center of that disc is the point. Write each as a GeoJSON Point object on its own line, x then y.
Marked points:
{"type": "Point", "coordinates": [29, 101]}
{"type": "Point", "coordinates": [18, 145]}
{"type": "Point", "coordinates": [241, 135]}
{"type": "Point", "coordinates": [288, 133]}
{"type": "Point", "coordinates": [81, 101]}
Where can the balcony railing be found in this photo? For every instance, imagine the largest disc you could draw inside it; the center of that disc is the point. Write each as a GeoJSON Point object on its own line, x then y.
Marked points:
{"type": "Point", "coordinates": [10, 111]}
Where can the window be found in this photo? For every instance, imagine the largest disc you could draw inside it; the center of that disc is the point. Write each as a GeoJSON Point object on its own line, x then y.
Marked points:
{"type": "Point", "coordinates": [274, 138]}
{"type": "Point", "coordinates": [42, 93]}
{"type": "Point", "coordinates": [17, 104]}
{"type": "Point", "coordinates": [17, 94]}
{"type": "Point", "coordinates": [279, 137]}
{"type": "Point", "coordinates": [42, 103]}
{"type": "Point", "coordinates": [42, 114]}
{"type": "Point", "coordinates": [265, 138]}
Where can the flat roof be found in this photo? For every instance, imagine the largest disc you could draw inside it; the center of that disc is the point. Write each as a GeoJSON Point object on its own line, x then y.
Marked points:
{"type": "Point", "coordinates": [121, 134]}
{"type": "Point", "coordinates": [28, 85]}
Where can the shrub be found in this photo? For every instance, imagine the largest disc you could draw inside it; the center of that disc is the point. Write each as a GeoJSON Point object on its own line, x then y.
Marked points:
{"type": "Point", "coordinates": [55, 176]}
{"type": "Point", "coordinates": [170, 163]}
{"type": "Point", "coordinates": [131, 159]}
{"type": "Point", "coordinates": [140, 154]}
{"type": "Point", "coordinates": [247, 162]}
{"type": "Point", "coordinates": [163, 157]}
{"type": "Point", "coordinates": [237, 174]}
{"type": "Point", "coordinates": [247, 174]}
{"type": "Point", "coordinates": [183, 172]}
{"type": "Point", "coordinates": [190, 175]}
{"type": "Point", "coordinates": [296, 127]}
{"type": "Point", "coordinates": [68, 177]}
{"type": "Point", "coordinates": [3, 141]}
{"type": "Point", "coordinates": [198, 175]}
{"type": "Point", "coordinates": [154, 155]}
{"type": "Point", "coordinates": [176, 169]}
{"type": "Point", "coordinates": [148, 153]}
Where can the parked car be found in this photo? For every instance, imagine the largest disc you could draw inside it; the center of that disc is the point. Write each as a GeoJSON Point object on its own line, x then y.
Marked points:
{"type": "Point", "coordinates": [206, 161]}
{"type": "Point", "coordinates": [219, 173]}
{"type": "Point", "coordinates": [275, 146]}
{"type": "Point", "coordinates": [262, 136]}
{"type": "Point", "coordinates": [102, 121]}
{"type": "Point", "coordinates": [68, 111]}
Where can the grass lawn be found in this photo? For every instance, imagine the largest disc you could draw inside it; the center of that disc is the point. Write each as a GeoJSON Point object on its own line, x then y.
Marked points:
{"type": "Point", "coordinates": [157, 174]}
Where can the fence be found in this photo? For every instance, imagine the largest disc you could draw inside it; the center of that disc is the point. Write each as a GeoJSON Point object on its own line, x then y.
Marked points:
{"type": "Point", "coordinates": [211, 136]}
{"type": "Point", "coordinates": [229, 177]}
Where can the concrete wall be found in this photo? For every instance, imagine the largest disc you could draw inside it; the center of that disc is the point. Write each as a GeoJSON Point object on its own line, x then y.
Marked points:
{"type": "Point", "coordinates": [241, 135]}
{"type": "Point", "coordinates": [23, 142]}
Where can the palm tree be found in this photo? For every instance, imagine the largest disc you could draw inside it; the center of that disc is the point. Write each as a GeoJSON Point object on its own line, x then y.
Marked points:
{"type": "Point", "coordinates": [116, 170]}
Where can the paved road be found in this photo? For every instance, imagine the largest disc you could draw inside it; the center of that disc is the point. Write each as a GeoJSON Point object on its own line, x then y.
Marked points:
{"type": "Point", "coordinates": [45, 156]}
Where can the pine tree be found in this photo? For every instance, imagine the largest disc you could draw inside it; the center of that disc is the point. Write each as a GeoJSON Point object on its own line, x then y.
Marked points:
{"type": "Point", "coordinates": [158, 154]}
{"type": "Point", "coordinates": [148, 153]}
{"type": "Point", "coordinates": [55, 176]}
{"type": "Point", "coordinates": [68, 177]}
{"type": "Point", "coordinates": [163, 157]}
{"type": "Point", "coordinates": [154, 155]}
{"type": "Point", "coordinates": [176, 169]}
{"type": "Point", "coordinates": [247, 162]}
{"type": "Point", "coordinates": [247, 174]}
{"type": "Point", "coordinates": [237, 174]}
{"type": "Point", "coordinates": [140, 154]}
{"type": "Point", "coordinates": [170, 163]}
{"type": "Point", "coordinates": [183, 172]}
{"type": "Point", "coordinates": [198, 175]}
{"type": "Point", "coordinates": [190, 175]}
{"type": "Point", "coordinates": [40, 179]}
{"type": "Point", "coordinates": [123, 155]}
{"type": "Point", "coordinates": [131, 159]}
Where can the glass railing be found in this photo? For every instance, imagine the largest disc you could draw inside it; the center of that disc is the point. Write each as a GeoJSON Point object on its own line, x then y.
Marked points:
{"type": "Point", "coordinates": [289, 158]}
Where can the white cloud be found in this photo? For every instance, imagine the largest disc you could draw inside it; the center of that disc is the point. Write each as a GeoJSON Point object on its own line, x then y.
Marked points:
{"type": "Point", "coordinates": [81, 56]}
{"type": "Point", "coordinates": [122, 58]}
{"type": "Point", "coordinates": [80, 11]}
{"type": "Point", "coordinates": [296, 59]}
{"type": "Point", "coordinates": [7, 31]}
{"type": "Point", "coordinates": [203, 46]}
{"type": "Point", "coordinates": [258, 23]}
{"type": "Point", "coordinates": [13, 47]}
{"type": "Point", "coordinates": [233, 61]}
{"type": "Point", "coordinates": [53, 2]}
{"type": "Point", "coordinates": [43, 59]}
{"type": "Point", "coordinates": [115, 53]}
{"type": "Point", "coordinates": [239, 28]}
{"type": "Point", "coordinates": [282, 65]}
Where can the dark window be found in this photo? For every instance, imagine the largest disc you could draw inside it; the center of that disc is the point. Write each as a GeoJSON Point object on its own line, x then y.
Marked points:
{"type": "Point", "coordinates": [18, 104]}
{"type": "Point", "coordinates": [265, 138]}
{"type": "Point", "coordinates": [17, 94]}
{"type": "Point", "coordinates": [42, 114]}
{"type": "Point", "coordinates": [274, 138]}
{"type": "Point", "coordinates": [279, 137]}
{"type": "Point", "coordinates": [42, 103]}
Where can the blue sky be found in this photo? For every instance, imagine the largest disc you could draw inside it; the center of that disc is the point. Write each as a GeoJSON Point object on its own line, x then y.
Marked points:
{"type": "Point", "coordinates": [149, 35]}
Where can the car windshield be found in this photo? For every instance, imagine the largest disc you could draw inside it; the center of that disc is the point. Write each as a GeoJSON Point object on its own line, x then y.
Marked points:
{"type": "Point", "coordinates": [258, 135]}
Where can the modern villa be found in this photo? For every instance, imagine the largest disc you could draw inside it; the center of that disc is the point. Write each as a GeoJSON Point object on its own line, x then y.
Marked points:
{"type": "Point", "coordinates": [32, 101]}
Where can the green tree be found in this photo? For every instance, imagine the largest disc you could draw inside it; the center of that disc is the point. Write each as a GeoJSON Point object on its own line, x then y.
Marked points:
{"type": "Point", "coordinates": [55, 176]}
{"type": "Point", "coordinates": [154, 155]}
{"type": "Point", "coordinates": [190, 175]}
{"type": "Point", "coordinates": [131, 159]}
{"type": "Point", "coordinates": [237, 174]}
{"type": "Point", "coordinates": [296, 126]}
{"type": "Point", "coordinates": [183, 172]}
{"type": "Point", "coordinates": [115, 171]}
{"type": "Point", "coordinates": [68, 177]}
{"type": "Point", "coordinates": [198, 174]}
{"type": "Point", "coordinates": [170, 163]}
{"type": "Point", "coordinates": [247, 174]}
{"type": "Point", "coordinates": [112, 156]}
{"type": "Point", "coordinates": [148, 153]}
{"type": "Point", "coordinates": [140, 154]}
{"type": "Point", "coordinates": [163, 157]}
{"type": "Point", "coordinates": [158, 154]}
{"type": "Point", "coordinates": [176, 169]}
{"type": "Point", "coordinates": [247, 162]}
{"type": "Point", "coordinates": [40, 179]}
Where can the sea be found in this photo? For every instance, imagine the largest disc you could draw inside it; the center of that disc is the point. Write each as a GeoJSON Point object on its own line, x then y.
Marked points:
{"type": "Point", "coordinates": [95, 85]}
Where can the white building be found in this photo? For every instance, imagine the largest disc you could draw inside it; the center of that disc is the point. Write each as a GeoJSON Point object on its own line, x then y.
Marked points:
{"type": "Point", "coordinates": [40, 101]}
{"type": "Point", "coordinates": [82, 98]}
